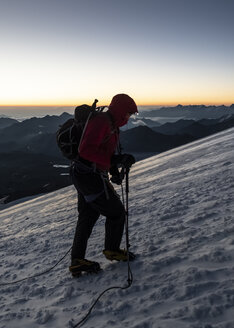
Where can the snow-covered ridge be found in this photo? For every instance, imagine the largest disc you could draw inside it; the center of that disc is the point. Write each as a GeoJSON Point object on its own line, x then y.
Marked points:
{"type": "Point", "coordinates": [181, 227]}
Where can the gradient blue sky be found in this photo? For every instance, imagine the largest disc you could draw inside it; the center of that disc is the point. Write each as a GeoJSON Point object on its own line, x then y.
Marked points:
{"type": "Point", "coordinates": [63, 52]}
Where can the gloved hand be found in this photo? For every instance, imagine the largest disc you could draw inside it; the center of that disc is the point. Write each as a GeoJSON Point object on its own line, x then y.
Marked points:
{"type": "Point", "coordinates": [116, 176]}
{"type": "Point", "coordinates": [125, 160]}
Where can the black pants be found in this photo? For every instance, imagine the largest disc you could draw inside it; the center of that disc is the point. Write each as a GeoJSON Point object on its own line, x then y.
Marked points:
{"type": "Point", "coordinates": [112, 208]}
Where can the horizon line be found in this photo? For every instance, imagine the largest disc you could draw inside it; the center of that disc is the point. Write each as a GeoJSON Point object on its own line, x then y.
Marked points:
{"type": "Point", "coordinates": [139, 105]}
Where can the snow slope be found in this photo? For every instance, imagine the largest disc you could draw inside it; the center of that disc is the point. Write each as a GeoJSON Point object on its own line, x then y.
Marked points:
{"type": "Point", "coordinates": [181, 228]}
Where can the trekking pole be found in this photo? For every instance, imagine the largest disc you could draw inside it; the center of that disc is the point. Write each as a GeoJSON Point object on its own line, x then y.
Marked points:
{"type": "Point", "coordinates": [126, 224]}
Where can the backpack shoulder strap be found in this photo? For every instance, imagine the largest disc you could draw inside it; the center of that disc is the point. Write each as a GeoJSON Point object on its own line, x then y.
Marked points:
{"type": "Point", "coordinates": [83, 132]}
{"type": "Point", "coordinates": [114, 128]}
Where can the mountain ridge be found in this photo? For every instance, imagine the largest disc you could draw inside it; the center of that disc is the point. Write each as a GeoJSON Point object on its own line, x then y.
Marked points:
{"type": "Point", "coordinates": [35, 138]}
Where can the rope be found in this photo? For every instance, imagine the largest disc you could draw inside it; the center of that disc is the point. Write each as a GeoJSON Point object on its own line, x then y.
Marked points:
{"type": "Point", "coordinates": [91, 308]}
{"type": "Point", "coordinates": [37, 274]}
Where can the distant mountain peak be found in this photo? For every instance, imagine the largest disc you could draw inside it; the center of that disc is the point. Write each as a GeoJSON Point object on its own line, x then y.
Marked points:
{"type": "Point", "coordinates": [65, 114]}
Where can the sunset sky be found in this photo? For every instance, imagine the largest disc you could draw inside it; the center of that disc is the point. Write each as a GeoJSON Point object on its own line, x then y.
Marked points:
{"type": "Point", "coordinates": [160, 52]}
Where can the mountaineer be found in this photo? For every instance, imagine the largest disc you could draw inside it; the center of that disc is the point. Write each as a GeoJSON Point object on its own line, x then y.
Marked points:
{"type": "Point", "coordinates": [96, 195]}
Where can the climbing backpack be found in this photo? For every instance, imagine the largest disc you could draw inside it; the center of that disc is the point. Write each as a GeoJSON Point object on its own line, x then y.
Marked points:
{"type": "Point", "coordinates": [70, 133]}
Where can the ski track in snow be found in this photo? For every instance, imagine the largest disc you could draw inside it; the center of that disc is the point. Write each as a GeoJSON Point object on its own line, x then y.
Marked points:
{"type": "Point", "coordinates": [181, 228]}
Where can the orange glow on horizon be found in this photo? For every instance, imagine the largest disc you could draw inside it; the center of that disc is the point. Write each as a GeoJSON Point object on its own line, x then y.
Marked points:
{"type": "Point", "coordinates": [102, 102]}
{"type": "Point", "coordinates": [172, 104]}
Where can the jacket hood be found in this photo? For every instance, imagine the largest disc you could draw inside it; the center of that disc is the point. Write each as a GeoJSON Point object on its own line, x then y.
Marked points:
{"type": "Point", "coordinates": [120, 105]}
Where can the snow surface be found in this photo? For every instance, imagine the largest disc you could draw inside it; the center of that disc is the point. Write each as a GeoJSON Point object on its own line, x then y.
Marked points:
{"type": "Point", "coordinates": [181, 228]}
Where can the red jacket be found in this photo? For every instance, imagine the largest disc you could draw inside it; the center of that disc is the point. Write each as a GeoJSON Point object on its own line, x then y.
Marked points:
{"type": "Point", "coordinates": [101, 135]}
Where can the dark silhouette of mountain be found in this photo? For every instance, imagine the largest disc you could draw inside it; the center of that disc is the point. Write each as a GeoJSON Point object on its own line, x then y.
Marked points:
{"type": "Point", "coordinates": [6, 122]}
{"type": "Point", "coordinates": [195, 112]}
{"type": "Point", "coordinates": [24, 174]}
{"type": "Point", "coordinates": [32, 135]}
{"type": "Point", "coordinates": [144, 139]}
{"type": "Point", "coordinates": [198, 129]}
{"type": "Point", "coordinates": [140, 139]}
{"type": "Point", "coordinates": [44, 144]}
{"type": "Point", "coordinates": [207, 122]}
{"type": "Point", "coordinates": [173, 128]}
{"type": "Point", "coordinates": [40, 137]}
{"type": "Point", "coordinates": [32, 127]}
{"type": "Point", "coordinates": [28, 150]}
{"type": "Point", "coordinates": [9, 146]}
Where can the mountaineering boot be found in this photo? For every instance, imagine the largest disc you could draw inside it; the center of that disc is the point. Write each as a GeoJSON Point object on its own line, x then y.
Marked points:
{"type": "Point", "coordinates": [82, 265]}
{"type": "Point", "coordinates": [118, 255]}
